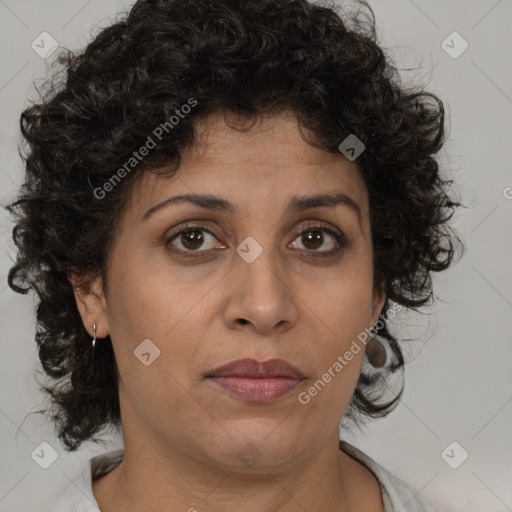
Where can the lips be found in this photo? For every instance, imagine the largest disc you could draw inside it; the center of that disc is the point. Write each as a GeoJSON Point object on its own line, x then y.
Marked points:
{"type": "Point", "coordinates": [255, 381]}
{"type": "Point", "coordinates": [251, 368]}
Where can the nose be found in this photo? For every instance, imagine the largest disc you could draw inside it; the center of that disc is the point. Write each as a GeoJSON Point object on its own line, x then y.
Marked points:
{"type": "Point", "coordinates": [260, 296]}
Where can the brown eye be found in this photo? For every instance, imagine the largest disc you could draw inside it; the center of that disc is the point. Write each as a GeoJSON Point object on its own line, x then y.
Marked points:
{"type": "Point", "coordinates": [197, 241]}
{"type": "Point", "coordinates": [314, 239]}
{"type": "Point", "coordinates": [192, 239]}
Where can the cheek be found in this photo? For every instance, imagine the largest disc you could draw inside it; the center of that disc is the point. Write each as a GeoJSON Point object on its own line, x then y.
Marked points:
{"type": "Point", "coordinates": [342, 312]}
{"type": "Point", "coordinates": [151, 327]}
{"type": "Point", "coordinates": [162, 307]}
{"type": "Point", "coordinates": [345, 306]}
{"type": "Point", "coordinates": [332, 388]}
{"type": "Point", "coordinates": [149, 299]}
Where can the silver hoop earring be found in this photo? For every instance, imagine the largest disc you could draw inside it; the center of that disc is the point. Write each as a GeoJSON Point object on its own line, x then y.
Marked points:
{"type": "Point", "coordinates": [94, 339]}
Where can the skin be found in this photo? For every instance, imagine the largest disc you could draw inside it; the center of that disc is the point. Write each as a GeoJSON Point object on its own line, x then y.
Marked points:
{"type": "Point", "coordinates": [182, 434]}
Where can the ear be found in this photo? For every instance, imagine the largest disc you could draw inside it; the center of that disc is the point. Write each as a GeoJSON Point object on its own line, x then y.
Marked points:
{"type": "Point", "coordinates": [379, 299]}
{"type": "Point", "coordinates": [91, 304]}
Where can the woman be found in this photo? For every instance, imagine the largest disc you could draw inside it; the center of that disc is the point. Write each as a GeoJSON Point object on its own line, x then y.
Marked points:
{"type": "Point", "coordinates": [225, 204]}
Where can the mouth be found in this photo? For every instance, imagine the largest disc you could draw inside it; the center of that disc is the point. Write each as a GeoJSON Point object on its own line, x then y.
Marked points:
{"type": "Point", "coordinates": [258, 382]}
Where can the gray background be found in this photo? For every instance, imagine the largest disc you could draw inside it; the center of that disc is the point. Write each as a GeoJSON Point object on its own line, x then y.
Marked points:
{"type": "Point", "coordinates": [459, 388]}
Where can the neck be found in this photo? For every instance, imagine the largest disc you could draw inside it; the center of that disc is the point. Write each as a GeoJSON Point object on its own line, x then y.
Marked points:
{"type": "Point", "coordinates": [153, 479]}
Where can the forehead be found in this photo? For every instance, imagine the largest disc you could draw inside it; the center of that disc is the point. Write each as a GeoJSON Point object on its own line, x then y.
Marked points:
{"type": "Point", "coordinates": [257, 165]}
{"type": "Point", "coordinates": [272, 142]}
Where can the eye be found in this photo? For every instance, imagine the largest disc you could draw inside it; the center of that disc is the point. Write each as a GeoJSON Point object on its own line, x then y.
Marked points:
{"type": "Point", "coordinates": [194, 241]}
{"type": "Point", "coordinates": [312, 238]}
{"type": "Point", "coordinates": [191, 238]}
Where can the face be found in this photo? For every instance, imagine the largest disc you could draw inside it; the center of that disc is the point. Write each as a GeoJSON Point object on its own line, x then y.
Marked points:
{"type": "Point", "coordinates": [258, 280]}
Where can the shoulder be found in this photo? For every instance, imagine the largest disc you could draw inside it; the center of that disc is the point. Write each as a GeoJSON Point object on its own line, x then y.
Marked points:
{"type": "Point", "coordinates": [77, 496]}
{"type": "Point", "coordinates": [396, 494]}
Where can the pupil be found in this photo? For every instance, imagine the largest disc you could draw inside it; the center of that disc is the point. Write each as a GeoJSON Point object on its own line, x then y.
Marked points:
{"type": "Point", "coordinates": [192, 239]}
{"type": "Point", "coordinates": [316, 239]}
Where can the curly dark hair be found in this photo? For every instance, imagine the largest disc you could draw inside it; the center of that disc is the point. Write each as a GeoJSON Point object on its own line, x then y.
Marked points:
{"type": "Point", "coordinates": [245, 58]}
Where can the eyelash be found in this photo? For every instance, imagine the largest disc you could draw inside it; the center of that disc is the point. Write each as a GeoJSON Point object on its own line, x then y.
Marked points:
{"type": "Point", "coordinates": [340, 239]}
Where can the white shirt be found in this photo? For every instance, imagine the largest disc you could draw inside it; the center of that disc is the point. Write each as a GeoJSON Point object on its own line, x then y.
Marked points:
{"type": "Point", "coordinates": [78, 496]}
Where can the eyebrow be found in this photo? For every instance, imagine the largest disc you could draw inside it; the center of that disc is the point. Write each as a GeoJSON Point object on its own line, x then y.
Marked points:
{"type": "Point", "coordinates": [297, 204]}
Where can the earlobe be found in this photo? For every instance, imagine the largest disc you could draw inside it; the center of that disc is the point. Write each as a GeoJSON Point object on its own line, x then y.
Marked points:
{"type": "Point", "coordinates": [91, 303]}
